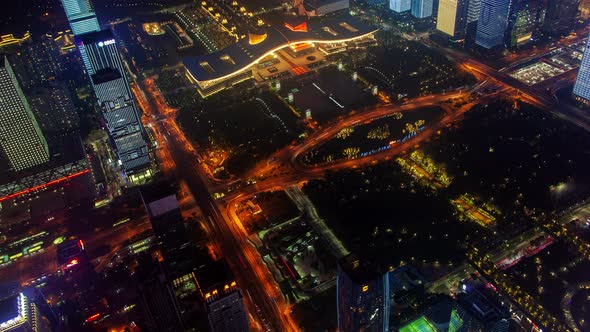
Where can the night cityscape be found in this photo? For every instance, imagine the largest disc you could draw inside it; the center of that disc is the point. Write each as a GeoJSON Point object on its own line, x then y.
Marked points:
{"type": "Point", "coordinates": [295, 165]}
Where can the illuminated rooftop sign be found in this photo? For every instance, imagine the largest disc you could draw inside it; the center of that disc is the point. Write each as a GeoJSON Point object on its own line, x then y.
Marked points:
{"type": "Point", "coordinates": [106, 43]}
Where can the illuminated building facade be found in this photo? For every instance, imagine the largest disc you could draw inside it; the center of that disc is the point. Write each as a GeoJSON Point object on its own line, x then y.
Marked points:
{"type": "Point", "coordinates": [492, 23]}
{"type": "Point", "coordinates": [582, 86]}
{"type": "Point", "coordinates": [217, 71]}
{"type": "Point", "coordinates": [422, 8]}
{"type": "Point", "coordinates": [473, 10]}
{"type": "Point", "coordinates": [119, 108]}
{"type": "Point", "coordinates": [452, 17]}
{"type": "Point", "coordinates": [11, 43]}
{"type": "Point", "coordinates": [18, 314]}
{"type": "Point", "coordinates": [362, 295]}
{"type": "Point", "coordinates": [81, 16]}
{"type": "Point", "coordinates": [526, 17]}
{"type": "Point", "coordinates": [400, 6]}
{"type": "Point", "coordinates": [21, 139]}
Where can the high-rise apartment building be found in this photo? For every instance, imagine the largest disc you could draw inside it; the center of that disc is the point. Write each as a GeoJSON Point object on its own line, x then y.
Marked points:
{"type": "Point", "coordinates": [582, 86]}
{"type": "Point", "coordinates": [422, 8]}
{"type": "Point", "coordinates": [400, 6]}
{"type": "Point", "coordinates": [452, 17]}
{"type": "Point", "coordinates": [37, 62]}
{"type": "Point", "coordinates": [21, 139]}
{"type": "Point", "coordinates": [362, 295]}
{"type": "Point", "coordinates": [54, 108]}
{"type": "Point", "coordinates": [492, 23]}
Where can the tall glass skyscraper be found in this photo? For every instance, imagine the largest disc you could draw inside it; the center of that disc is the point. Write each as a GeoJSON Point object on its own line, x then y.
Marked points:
{"type": "Point", "coordinates": [362, 296]}
{"type": "Point", "coordinates": [103, 63]}
{"type": "Point", "coordinates": [492, 23]}
{"type": "Point", "coordinates": [421, 8]}
{"type": "Point", "coordinates": [81, 16]}
{"type": "Point", "coordinates": [452, 15]}
{"type": "Point", "coordinates": [582, 86]}
{"type": "Point", "coordinates": [114, 95]}
{"type": "Point", "coordinates": [400, 6]}
{"type": "Point", "coordinates": [21, 139]}
{"type": "Point", "coordinates": [82, 19]}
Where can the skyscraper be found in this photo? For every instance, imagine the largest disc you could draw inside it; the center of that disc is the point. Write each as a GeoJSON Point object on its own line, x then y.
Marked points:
{"type": "Point", "coordinates": [473, 10]}
{"type": "Point", "coordinates": [107, 76]}
{"type": "Point", "coordinates": [492, 23]}
{"type": "Point", "coordinates": [400, 6]}
{"type": "Point", "coordinates": [452, 16]}
{"type": "Point", "coordinates": [223, 298]}
{"type": "Point", "coordinates": [158, 302]}
{"type": "Point", "coordinates": [421, 8]}
{"type": "Point", "coordinates": [163, 210]}
{"type": "Point", "coordinates": [81, 16]}
{"type": "Point", "coordinates": [21, 139]}
{"type": "Point", "coordinates": [103, 64]}
{"type": "Point", "coordinates": [561, 16]}
{"type": "Point", "coordinates": [582, 86]}
{"type": "Point", "coordinates": [54, 108]}
{"type": "Point", "coordinates": [362, 296]}
{"type": "Point", "coordinates": [525, 19]}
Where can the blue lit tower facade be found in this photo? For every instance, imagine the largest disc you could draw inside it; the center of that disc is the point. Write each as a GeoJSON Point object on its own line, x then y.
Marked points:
{"type": "Point", "coordinates": [421, 8]}
{"type": "Point", "coordinates": [103, 63]}
{"type": "Point", "coordinates": [400, 6]}
{"type": "Point", "coordinates": [82, 19]}
{"type": "Point", "coordinates": [362, 295]}
{"type": "Point", "coordinates": [582, 86]}
{"type": "Point", "coordinates": [107, 75]}
{"type": "Point", "coordinates": [492, 23]}
{"type": "Point", "coordinates": [81, 16]}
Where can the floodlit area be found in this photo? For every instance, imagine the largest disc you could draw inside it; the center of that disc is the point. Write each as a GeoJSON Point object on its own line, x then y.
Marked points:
{"type": "Point", "coordinates": [536, 73]}
{"type": "Point", "coordinates": [419, 325]}
{"type": "Point", "coordinates": [555, 63]}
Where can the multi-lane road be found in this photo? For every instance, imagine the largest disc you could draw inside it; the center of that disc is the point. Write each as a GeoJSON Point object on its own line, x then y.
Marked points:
{"type": "Point", "coordinates": [263, 297]}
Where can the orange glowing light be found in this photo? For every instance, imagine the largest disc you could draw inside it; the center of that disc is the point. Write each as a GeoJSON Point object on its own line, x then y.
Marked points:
{"type": "Point", "coordinates": [42, 186]}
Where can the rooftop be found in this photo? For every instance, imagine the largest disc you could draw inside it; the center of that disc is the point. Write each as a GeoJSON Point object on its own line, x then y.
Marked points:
{"type": "Point", "coordinates": [245, 53]}
{"type": "Point", "coordinates": [95, 37]}
{"type": "Point", "coordinates": [360, 270]}
{"type": "Point", "coordinates": [214, 274]}
{"type": "Point", "coordinates": [9, 308]}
